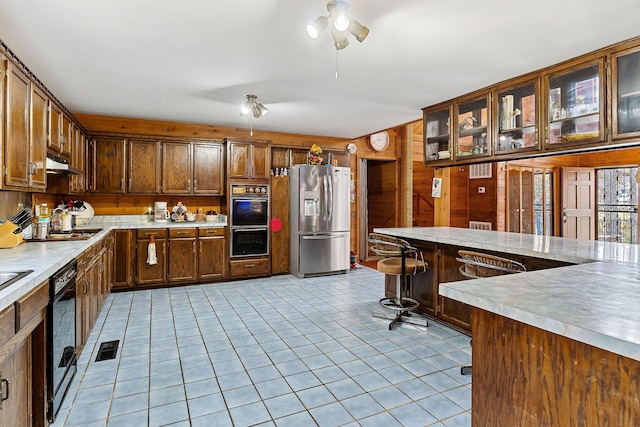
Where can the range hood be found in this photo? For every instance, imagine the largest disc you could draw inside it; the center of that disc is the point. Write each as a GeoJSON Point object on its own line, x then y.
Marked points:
{"type": "Point", "coordinates": [59, 166]}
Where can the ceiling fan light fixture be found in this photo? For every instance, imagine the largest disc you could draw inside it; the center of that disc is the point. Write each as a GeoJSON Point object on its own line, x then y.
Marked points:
{"type": "Point", "coordinates": [259, 110]}
{"type": "Point", "coordinates": [340, 40]}
{"type": "Point", "coordinates": [359, 31]}
{"type": "Point", "coordinates": [314, 28]}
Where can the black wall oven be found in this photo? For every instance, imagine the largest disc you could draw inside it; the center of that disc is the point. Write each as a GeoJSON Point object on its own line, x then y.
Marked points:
{"type": "Point", "coordinates": [249, 220]}
{"type": "Point", "coordinates": [61, 336]}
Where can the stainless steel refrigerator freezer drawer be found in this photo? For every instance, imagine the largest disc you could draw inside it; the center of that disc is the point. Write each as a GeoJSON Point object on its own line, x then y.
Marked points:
{"type": "Point", "coordinates": [324, 253]}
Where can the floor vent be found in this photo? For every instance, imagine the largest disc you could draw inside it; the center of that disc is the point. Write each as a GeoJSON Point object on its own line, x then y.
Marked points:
{"type": "Point", "coordinates": [108, 350]}
{"type": "Point", "coordinates": [479, 225]}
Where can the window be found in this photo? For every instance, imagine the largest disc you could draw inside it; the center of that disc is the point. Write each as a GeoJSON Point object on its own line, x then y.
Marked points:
{"type": "Point", "coordinates": [617, 205]}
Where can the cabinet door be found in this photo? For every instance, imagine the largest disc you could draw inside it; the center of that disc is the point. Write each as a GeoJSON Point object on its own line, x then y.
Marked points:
{"type": "Point", "coordinates": [108, 165]}
{"type": "Point", "coordinates": [424, 286]}
{"type": "Point", "coordinates": [280, 239]}
{"type": "Point", "coordinates": [78, 161]}
{"type": "Point", "coordinates": [339, 158]}
{"type": "Point", "coordinates": [280, 157]}
{"type": "Point", "coordinates": [176, 168]}
{"type": "Point", "coordinates": [123, 262]}
{"type": "Point", "coordinates": [626, 93]}
{"type": "Point", "coordinates": [453, 312]}
{"type": "Point", "coordinates": [143, 167]}
{"type": "Point", "coordinates": [67, 140]}
{"type": "Point", "coordinates": [437, 134]}
{"type": "Point", "coordinates": [473, 134]}
{"type": "Point", "coordinates": [17, 408]}
{"type": "Point", "coordinates": [17, 110]}
{"type": "Point", "coordinates": [151, 274]}
{"type": "Point", "coordinates": [517, 116]}
{"type": "Point", "coordinates": [183, 261]}
{"type": "Point", "coordinates": [39, 133]}
{"type": "Point", "coordinates": [238, 160]}
{"type": "Point", "coordinates": [261, 161]}
{"type": "Point", "coordinates": [208, 169]}
{"type": "Point", "coordinates": [575, 109]}
{"type": "Point", "coordinates": [211, 258]}
{"type": "Point", "coordinates": [299, 157]}
{"type": "Point", "coordinates": [55, 127]}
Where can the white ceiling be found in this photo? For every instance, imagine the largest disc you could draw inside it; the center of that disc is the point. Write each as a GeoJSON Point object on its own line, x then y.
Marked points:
{"type": "Point", "coordinates": [194, 60]}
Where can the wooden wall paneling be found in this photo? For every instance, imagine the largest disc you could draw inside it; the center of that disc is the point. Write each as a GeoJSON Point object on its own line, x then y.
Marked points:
{"type": "Point", "coordinates": [483, 206]}
{"type": "Point", "coordinates": [115, 204]}
{"type": "Point", "coordinates": [459, 209]}
{"type": "Point", "coordinates": [423, 203]}
{"type": "Point", "coordinates": [525, 376]}
{"type": "Point", "coordinates": [405, 176]}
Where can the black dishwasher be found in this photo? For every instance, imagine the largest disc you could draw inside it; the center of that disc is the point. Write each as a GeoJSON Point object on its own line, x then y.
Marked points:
{"type": "Point", "coordinates": [61, 336]}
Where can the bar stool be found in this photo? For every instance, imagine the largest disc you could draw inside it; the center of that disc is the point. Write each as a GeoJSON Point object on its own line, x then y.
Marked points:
{"type": "Point", "coordinates": [476, 265]}
{"type": "Point", "coordinates": [401, 259]}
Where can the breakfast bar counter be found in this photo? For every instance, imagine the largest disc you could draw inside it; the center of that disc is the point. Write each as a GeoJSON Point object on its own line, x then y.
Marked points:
{"type": "Point", "coordinates": [550, 347]}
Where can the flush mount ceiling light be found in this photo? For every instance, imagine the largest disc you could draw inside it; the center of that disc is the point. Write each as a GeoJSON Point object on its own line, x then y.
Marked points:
{"type": "Point", "coordinates": [252, 108]}
{"type": "Point", "coordinates": [340, 24]}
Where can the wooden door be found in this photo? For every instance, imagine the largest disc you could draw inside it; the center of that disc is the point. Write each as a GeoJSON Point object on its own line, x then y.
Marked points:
{"type": "Point", "coordinates": [176, 168]}
{"type": "Point", "coordinates": [527, 190]}
{"type": "Point", "coordinates": [38, 136]}
{"type": "Point", "coordinates": [17, 370]}
{"type": "Point", "coordinates": [183, 260]}
{"type": "Point", "coordinates": [381, 194]}
{"type": "Point", "coordinates": [143, 167]}
{"type": "Point", "coordinates": [280, 239]}
{"type": "Point", "coordinates": [578, 203]}
{"type": "Point", "coordinates": [151, 274]}
{"type": "Point", "coordinates": [55, 127]}
{"type": "Point", "coordinates": [238, 160]}
{"type": "Point", "coordinates": [208, 169]}
{"type": "Point", "coordinates": [17, 110]}
{"type": "Point", "coordinates": [108, 174]}
{"type": "Point", "coordinates": [261, 161]}
{"type": "Point", "coordinates": [212, 263]}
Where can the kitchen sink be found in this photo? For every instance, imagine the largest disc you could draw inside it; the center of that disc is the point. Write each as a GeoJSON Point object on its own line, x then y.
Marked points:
{"type": "Point", "coordinates": [9, 277]}
{"type": "Point", "coordinates": [77, 234]}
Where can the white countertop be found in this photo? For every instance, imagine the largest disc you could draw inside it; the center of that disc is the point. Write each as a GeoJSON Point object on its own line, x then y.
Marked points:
{"type": "Point", "coordinates": [45, 258]}
{"type": "Point", "coordinates": [595, 302]}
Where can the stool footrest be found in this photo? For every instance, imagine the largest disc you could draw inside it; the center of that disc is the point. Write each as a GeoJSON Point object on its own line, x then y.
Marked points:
{"type": "Point", "coordinates": [399, 305]}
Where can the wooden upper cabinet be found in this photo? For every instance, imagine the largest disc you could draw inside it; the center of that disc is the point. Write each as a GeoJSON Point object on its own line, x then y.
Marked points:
{"type": "Point", "coordinates": [298, 157]}
{"type": "Point", "coordinates": [39, 133]}
{"type": "Point", "coordinates": [78, 161]}
{"type": "Point", "coordinates": [576, 105]}
{"type": "Point", "coordinates": [67, 136]}
{"type": "Point", "coordinates": [55, 127]}
{"type": "Point", "coordinates": [176, 168]}
{"type": "Point", "coordinates": [437, 133]}
{"type": "Point", "coordinates": [472, 136]}
{"type": "Point", "coordinates": [248, 160]}
{"type": "Point", "coordinates": [17, 110]}
{"type": "Point", "coordinates": [280, 157]}
{"type": "Point", "coordinates": [143, 167]}
{"type": "Point", "coordinates": [108, 173]}
{"type": "Point", "coordinates": [625, 93]}
{"type": "Point", "coordinates": [208, 168]}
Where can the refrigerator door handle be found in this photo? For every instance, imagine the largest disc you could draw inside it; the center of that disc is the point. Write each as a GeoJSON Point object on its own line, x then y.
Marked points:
{"type": "Point", "coordinates": [324, 236]}
{"type": "Point", "coordinates": [328, 197]}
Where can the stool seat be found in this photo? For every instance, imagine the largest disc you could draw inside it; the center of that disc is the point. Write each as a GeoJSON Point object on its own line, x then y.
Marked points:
{"type": "Point", "coordinates": [394, 265]}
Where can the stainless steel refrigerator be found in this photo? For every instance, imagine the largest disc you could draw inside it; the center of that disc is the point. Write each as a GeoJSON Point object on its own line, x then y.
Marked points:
{"type": "Point", "coordinates": [319, 220]}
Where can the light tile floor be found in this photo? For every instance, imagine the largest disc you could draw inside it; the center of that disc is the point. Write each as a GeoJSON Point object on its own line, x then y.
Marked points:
{"type": "Point", "coordinates": [278, 351]}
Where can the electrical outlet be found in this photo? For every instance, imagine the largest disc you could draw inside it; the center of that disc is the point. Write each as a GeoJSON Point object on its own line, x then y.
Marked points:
{"type": "Point", "coordinates": [481, 190]}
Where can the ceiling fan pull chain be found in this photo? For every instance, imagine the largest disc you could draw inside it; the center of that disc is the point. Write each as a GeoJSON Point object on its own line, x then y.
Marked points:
{"type": "Point", "coordinates": [337, 64]}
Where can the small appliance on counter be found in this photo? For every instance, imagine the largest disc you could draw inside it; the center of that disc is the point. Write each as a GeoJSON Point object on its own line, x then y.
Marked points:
{"type": "Point", "coordinates": [162, 214]}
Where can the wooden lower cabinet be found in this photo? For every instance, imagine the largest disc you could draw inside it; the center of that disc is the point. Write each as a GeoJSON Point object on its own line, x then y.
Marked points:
{"type": "Point", "coordinates": [123, 259]}
{"type": "Point", "coordinates": [22, 356]}
{"type": "Point", "coordinates": [183, 258]}
{"type": "Point", "coordinates": [212, 258]}
{"type": "Point", "coordinates": [279, 240]}
{"type": "Point", "coordinates": [424, 286]}
{"type": "Point", "coordinates": [155, 274]}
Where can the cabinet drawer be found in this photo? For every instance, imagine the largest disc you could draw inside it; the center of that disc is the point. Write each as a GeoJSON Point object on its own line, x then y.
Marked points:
{"type": "Point", "coordinates": [82, 260]}
{"type": "Point", "coordinates": [183, 232]}
{"type": "Point", "coordinates": [7, 324]}
{"type": "Point", "coordinates": [211, 231]}
{"type": "Point", "coordinates": [30, 305]}
{"type": "Point", "coordinates": [250, 267]}
{"type": "Point", "coordinates": [158, 233]}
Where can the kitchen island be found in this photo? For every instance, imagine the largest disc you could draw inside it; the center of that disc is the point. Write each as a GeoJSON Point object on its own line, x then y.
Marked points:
{"type": "Point", "coordinates": [551, 347]}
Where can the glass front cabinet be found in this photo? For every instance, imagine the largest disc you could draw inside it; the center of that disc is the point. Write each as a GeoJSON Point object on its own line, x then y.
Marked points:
{"type": "Point", "coordinates": [575, 107]}
{"type": "Point", "coordinates": [625, 69]}
{"type": "Point", "coordinates": [516, 112]}
{"type": "Point", "coordinates": [472, 128]}
{"type": "Point", "coordinates": [437, 134]}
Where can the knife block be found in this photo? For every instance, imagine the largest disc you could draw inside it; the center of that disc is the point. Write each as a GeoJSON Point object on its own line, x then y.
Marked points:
{"type": "Point", "coordinates": [7, 238]}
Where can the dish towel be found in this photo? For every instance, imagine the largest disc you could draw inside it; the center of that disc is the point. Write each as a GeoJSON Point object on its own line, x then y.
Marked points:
{"type": "Point", "coordinates": [151, 251]}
